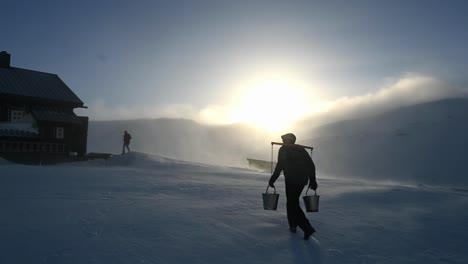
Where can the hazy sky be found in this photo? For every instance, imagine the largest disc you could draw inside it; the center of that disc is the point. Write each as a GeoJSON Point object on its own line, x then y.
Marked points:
{"type": "Point", "coordinates": [186, 58]}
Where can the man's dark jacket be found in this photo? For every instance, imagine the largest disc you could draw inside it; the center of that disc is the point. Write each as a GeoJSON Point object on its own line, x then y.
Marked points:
{"type": "Point", "coordinates": [127, 138]}
{"type": "Point", "coordinates": [296, 164]}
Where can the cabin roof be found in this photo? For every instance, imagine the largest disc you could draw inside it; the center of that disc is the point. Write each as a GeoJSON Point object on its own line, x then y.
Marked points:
{"type": "Point", "coordinates": [41, 85]}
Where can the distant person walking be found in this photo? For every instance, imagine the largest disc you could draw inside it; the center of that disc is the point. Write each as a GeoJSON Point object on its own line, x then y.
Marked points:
{"type": "Point", "coordinates": [298, 169]}
{"type": "Point", "coordinates": [126, 141]}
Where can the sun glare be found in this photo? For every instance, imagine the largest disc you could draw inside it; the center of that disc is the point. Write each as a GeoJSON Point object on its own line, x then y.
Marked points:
{"type": "Point", "coordinates": [272, 104]}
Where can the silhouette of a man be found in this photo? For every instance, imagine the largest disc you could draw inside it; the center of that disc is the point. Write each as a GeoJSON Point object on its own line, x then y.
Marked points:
{"type": "Point", "coordinates": [298, 169]}
{"type": "Point", "coordinates": [126, 141]}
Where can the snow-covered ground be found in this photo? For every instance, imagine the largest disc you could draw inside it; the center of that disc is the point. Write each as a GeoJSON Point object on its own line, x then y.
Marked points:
{"type": "Point", "coordinates": [138, 208]}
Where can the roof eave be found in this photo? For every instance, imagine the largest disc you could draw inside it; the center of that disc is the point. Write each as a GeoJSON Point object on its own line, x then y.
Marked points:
{"type": "Point", "coordinates": [32, 99]}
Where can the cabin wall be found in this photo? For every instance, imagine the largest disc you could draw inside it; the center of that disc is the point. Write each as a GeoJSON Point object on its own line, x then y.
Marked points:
{"type": "Point", "coordinates": [74, 138]}
{"type": "Point", "coordinates": [80, 135]}
{"type": "Point", "coordinates": [3, 112]}
{"type": "Point", "coordinates": [6, 107]}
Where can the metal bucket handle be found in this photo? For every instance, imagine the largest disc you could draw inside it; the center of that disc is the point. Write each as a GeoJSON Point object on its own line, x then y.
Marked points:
{"type": "Point", "coordinates": [269, 187]}
{"type": "Point", "coordinates": [314, 191]}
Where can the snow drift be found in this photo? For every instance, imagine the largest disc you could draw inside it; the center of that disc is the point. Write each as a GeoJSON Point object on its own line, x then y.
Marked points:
{"type": "Point", "coordinates": [139, 209]}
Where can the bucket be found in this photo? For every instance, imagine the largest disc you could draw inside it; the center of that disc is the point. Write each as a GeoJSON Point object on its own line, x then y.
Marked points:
{"type": "Point", "coordinates": [270, 200]}
{"type": "Point", "coordinates": [311, 202]}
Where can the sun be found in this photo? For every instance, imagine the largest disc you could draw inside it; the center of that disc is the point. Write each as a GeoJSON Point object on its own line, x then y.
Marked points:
{"type": "Point", "coordinates": [272, 104]}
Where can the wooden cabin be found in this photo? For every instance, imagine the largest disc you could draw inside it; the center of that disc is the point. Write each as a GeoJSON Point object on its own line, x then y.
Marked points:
{"type": "Point", "coordinates": [36, 116]}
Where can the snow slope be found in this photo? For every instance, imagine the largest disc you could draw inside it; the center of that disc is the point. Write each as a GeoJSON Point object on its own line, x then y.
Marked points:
{"type": "Point", "coordinates": [419, 144]}
{"type": "Point", "coordinates": [181, 139]}
{"type": "Point", "coordinates": [138, 208]}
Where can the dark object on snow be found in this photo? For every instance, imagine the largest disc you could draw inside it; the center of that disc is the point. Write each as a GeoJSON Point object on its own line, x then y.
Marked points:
{"type": "Point", "coordinates": [37, 122]}
{"type": "Point", "coordinates": [294, 162]}
{"type": "Point", "coordinates": [311, 202]}
{"type": "Point", "coordinates": [95, 155]}
{"type": "Point", "coordinates": [270, 200]}
{"type": "Point", "coordinates": [308, 234]}
{"type": "Point", "coordinates": [298, 169]}
{"type": "Point", "coordinates": [296, 216]}
{"type": "Point", "coordinates": [126, 141]}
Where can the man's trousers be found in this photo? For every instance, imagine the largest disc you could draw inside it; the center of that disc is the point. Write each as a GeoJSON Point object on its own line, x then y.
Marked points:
{"type": "Point", "coordinates": [296, 216]}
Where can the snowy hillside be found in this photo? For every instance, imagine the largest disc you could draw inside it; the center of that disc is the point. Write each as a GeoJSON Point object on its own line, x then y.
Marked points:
{"type": "Point", "coordinates": [419, 144]}
{"type": "Point", "coordinates": [425, 143]}
{"type": "Point", "coordinates": [181, 139]}
{"type": "Point", "coordinates": [139, 208]}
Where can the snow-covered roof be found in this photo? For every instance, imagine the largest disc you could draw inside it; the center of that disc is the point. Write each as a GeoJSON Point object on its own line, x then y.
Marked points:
{"type": "Point", "coordinates": [23, 128]}
{"type": "Point", "coordinates": [13, 132]}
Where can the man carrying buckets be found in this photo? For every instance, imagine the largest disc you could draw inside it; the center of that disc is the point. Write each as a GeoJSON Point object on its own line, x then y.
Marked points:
{"type": "Point", "coordinates": [298, 169]}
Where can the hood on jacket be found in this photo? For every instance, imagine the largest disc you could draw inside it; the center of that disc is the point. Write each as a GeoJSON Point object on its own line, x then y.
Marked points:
{"type": "Point", "coordinates": [288, 138]}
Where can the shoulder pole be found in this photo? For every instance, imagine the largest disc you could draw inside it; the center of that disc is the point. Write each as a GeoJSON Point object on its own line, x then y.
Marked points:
{"type": "Point", "coordinates": [297, 145]}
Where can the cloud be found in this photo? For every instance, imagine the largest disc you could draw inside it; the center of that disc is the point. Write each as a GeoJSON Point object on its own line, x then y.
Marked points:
{"type": "Point", "coordinates": [100, 110]}
{"type": "Point", "coordinates": [214, 114]}
{"type": "Point", "coordinates": [409, 90]}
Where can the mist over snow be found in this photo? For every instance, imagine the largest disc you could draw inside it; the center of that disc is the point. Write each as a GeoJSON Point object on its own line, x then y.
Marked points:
{"type": "Point", "coordinates": [421, 144]}
{"type": "Point", "coordinates": [182, 139]}
{"type": "Point", "coordinates": [412, 131]}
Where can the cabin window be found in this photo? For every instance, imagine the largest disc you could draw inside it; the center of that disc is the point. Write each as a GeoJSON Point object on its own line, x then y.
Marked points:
{"type": "Point", "coordinates": [16, 115]}
{"type": "Point", "coordinates": [59, 132]}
